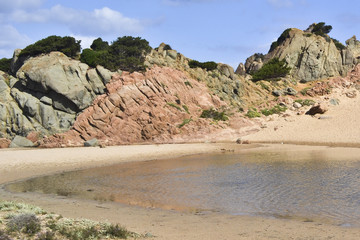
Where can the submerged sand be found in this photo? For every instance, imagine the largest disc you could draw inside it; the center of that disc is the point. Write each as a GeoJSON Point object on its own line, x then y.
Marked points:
{"type": "Point", "coordinates": [163, 224]}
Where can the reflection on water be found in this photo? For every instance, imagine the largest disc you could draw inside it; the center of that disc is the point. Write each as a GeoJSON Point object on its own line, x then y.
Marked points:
{"type": "Point", "coordinates": [308, 185]}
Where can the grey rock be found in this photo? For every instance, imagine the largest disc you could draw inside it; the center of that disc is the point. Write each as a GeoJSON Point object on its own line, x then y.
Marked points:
{"type": "Point", "coordinates": [319, 108]}
{"type": "Point", "coordinates": [241, 70]}
{"type": "Point", "coordinates": [290, 91]}
{"type": "Point", "coordinates": [95, 81]}
{"type": "Point", "coordinates": [20, 142]}
{"type": "Point", "coordinates": [297, 105]}
{"type": "Point", "coordinates": [277, 93]}
{"type": "Point", "coordinates": [46, 100]}
{"type": "Point", "coordinates": [104, 74]}
{"type": "Point", "coordinates": [91, 143]}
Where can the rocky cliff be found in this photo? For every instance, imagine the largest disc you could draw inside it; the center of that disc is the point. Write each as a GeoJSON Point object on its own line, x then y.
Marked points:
{"type": "Point", "coordinates": [310, 56]}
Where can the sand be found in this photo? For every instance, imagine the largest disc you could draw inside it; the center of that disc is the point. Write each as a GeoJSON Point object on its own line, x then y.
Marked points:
{"type": "Point", "coordinates": [163, 224]}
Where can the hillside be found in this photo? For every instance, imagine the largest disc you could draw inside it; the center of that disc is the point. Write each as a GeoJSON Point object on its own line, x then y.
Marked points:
{"type": "Point", "coordinates": [54, 100]}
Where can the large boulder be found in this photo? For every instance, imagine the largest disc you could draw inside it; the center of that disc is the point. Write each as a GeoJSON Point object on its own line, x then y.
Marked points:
{"type": "Point", "coordinates": [21, 142]}
{"type": "Point", "coordinates": [310, 56]}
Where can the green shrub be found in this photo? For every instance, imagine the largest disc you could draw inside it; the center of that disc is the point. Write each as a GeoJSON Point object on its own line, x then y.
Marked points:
{"type": "Point", "coordinates": [126, 53]}
{"type": "Point", "coordinates": [274, 110]}
{"type": "Point", "coordinates": [67, 45]}
{"type": "Point", "coordinates": [304, 91]}
{"type": "Point", "coordinates": [187, 83]}
{"type": "Point", "coordinates": [5, 64]}
{"type": "Point", "coordinates": [321, 29]}
{"type": "Point", "coordinates": [209, 66]}
{"type": "Point", "coordinates": [167, 47]}
{"type": "Point", "coordinates": [116, 231]}
{"type": "Point", "coordinates": [252, 113]}
{"type": "Point", "coordinates": [25, 222]}
{"type": "Point", "coordinates": [186, 109]}
{"type": "Point", "coordinates": [338, 44]}
{"type": "Point", "coordinates": [212, 113]}
{"type": "Point", "coordinates": [280, 40]}
{"type": "Point", "coordinates": [99, 45]}
{"type": "Point", "coordinates": [271, 70]}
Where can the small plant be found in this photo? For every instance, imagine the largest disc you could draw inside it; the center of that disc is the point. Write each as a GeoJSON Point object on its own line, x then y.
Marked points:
{"type": "Point", "coordinates": [186, 121]}
{"type": "Point", "coordinates": [252, 113]}
{"type": "Point", "coordinates": [25, 222]}
{"type": "Point", "coordinates": [274, 110]}
{"type": "Point", "coordinates": [116, 231]}
{"type": "Point", "coordinates": [305, 102]}
{"type": "Point", "coordinates": [304, 91]}
{"type": "Point", "coordinates": [280, 40]}
{"type": "Point", "coordinates": [212, 113]}
{"type": "Point", "coordinates": [4, 236]}
{"type": "Point", "coordinates": [187, 83]}
{"type": "Point", "coordinates": [47, 235]}
{"type": "Point", "coordinates": [5, 65]}
{"type": "Point", "coordinates": [186, 109]}
{"type": "Point", "coordinates": [264, 86]}
{"type": "Point", "coordinates": [174, 105]}
{"type": "Point", "coordinates": [167, 47]}
{"type": "Point", "coordinates": [338, 44]}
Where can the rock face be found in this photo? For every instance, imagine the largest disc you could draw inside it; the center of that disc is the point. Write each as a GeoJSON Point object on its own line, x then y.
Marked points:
{"type": "Point", "coordinates": [160, 105]}
{"type": "Point", "coordinates": [311, 57]}
{"type": "Point", "coordinates": [48, 93]}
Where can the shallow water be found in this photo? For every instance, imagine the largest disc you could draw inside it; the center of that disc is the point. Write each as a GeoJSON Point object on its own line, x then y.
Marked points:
{"type": "Point", "coordinates": [310, 185]}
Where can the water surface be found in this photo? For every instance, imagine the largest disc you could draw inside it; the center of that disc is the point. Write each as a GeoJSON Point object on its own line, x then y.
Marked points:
{"type": "Point", "coordinates": [310, 185]}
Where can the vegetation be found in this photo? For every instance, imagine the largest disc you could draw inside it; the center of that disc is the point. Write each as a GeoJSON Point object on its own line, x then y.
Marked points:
{"type": "Point", "coordinates": [174, 105]}
{"type": "Point", "coordinates": [187, 83]}
{"type": "Point", "coordinates": [274, 110]}
{"type": "Point", "coordinates": [67, 45]}
{"type": "Point", "coordinates": [305, 102]}
{"type": "Point", "coordinates": [186, 109]}
{"type": "Point", "coordinates": [186, 121]}
{"type": "Point", "coordinates": [209, 66]}
{"type": "Point", "coordinates": [126, 53]}
{"type": "Point", "coordinates": [280, 40]}
{"type": "Point", "coordinates": [22, 221]}
{"type": "Point", "coordinates": [273, 69]}
{"type": "Point", "coordinates": [212, 113]}
{"type": "Point", "coordinates": [321, 29]}
{"type": "Point", "coordinates": [5, 64]}
{"type": "Point", "coordinates": [338, 44]}
{"type": "Point", "coordinates": [305, 90]}
{"type": "Point", "coordinates": [252, 113]}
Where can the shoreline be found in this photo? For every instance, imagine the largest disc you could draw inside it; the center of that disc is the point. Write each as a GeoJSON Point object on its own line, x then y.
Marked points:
{"type": "Point", "coordinates": [16, 165]}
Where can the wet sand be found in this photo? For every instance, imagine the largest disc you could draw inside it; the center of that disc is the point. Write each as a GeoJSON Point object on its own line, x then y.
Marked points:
{"type": "Point", "coordinates": [163, 224]}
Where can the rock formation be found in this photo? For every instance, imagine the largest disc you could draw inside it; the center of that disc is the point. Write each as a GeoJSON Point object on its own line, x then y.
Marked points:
{"type": "Point", "coordinates": [310, 56]}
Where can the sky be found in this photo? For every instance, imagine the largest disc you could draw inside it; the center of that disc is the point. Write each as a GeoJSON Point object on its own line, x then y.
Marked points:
{"type": "Point", "coordinates": [226, 31]}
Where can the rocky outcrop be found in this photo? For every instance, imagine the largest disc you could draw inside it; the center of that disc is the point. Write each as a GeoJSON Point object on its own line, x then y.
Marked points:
{"type": "Point", "coordinates": [161, 105]}
{"type": "Point", "coordinates": [310, 57]}
{"type": "Point", "coordinates": [48, 93]}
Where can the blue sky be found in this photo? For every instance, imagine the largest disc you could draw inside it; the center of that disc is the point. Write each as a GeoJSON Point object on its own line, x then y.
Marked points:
{"type": "Point", "coordinates": [226, 31]}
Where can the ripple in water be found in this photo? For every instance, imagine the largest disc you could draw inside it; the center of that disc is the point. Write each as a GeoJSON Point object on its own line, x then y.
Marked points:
{"type": "Point", "coordinates": [306, 185]}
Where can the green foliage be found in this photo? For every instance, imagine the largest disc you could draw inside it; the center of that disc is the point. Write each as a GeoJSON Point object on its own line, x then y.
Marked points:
{"type": "Point", "coordinates": [186, 109]}
{"type": "Point", "coordinates": [321, 29]}
{"type": "Point", "coordinates": [271, 70]}
{"type": "Point", "coordinates": [174, 105]}
{"type": "Point", "coordinates": [212, 113]}
{"type": "Point", "coordinates": [338, 44]}
{"type": "Point", "coordinates": [186, 121]}
{"type": "Point", "coordinates": [252, 113]}
{"type": "Point", "coordinates": [25, 222]}
{"type": "Point", "coordinates": [280, 40]}
{"type": "Point", "coordinates": [126, 53]}
{"type": "Point", "coordinates": [99, 45]}
{"type": "Point", "coordinates": [209, 66]}
{"type": "Point", "coordinates": [274, 110]}
{"type": "Point", "coordinates": [305, 102]}
{"type": "Point", "coordinates": [167, 47]}
{"type": "Point", "coordinates": [5, 64]}
{"type": "Point", "coordinates": [67, 45]}
{"type": "Point", "coordinates": [116, 231]}
{"type": "Point", "coordinates": [187, 83]}
{"type": "Point", "coordinates": [304, 91]}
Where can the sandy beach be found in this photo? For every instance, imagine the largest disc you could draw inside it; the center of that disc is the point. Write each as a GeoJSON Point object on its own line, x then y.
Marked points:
{"type": "Point", "coordinates": [162, 224]}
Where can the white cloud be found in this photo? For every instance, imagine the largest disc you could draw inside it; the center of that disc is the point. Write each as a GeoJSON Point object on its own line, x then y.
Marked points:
{"type": "Point", "coordinates": [10, 39]}
{"type": "Point", "coordinates": [281, 3]}
{"type": "Point", "coordinates": [10, 5]}
{"type": "Point", "coordinates": [98, 22]}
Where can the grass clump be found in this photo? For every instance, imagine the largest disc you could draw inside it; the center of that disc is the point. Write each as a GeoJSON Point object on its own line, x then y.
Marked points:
{"type": "Point", "coordinates": [186, 121]}
{"type": "Point", "coordinates": [253, 113]}
{"type": "Point", "coordinates": [305, 90]}
{"type": "Point", "coordinates": [174, 105]}
{"type": "Point", "coordinates": [305, 102]}
{"type": "Point", "coordinates": [274, 110]}
{"type": "Point", "coordinates": [186, 109]}
{"type": "Point", "coordinates": [212, 113]}
{"type": "Point", "coordinates": [187, 83]}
